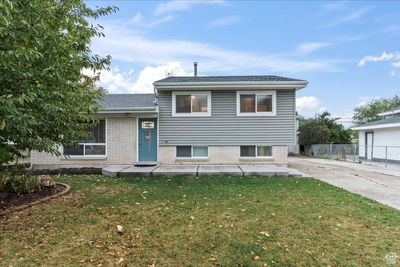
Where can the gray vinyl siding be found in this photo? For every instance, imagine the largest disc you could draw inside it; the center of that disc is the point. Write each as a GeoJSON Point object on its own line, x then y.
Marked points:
{"type": "Point", "coordinates": [224, 127]}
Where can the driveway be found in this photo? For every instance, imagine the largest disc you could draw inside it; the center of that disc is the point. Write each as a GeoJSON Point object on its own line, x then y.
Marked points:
{"type": "Point", "coordinates": [372, 181]}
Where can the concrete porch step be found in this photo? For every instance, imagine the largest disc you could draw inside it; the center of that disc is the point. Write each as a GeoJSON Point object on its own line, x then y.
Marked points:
{"type": "Point", "coordinates": [198, 170]}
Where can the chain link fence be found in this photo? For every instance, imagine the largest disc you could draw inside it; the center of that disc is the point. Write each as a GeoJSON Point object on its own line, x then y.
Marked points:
{"type": "Point", "coordinates": [355, 152]}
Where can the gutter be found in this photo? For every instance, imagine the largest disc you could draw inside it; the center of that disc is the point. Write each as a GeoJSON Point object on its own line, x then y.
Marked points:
{"type": "Point", "coordinates": [390, 112]}
{"type": "Point", "coordinates": [378, 126]}
{"type": "Point", "coordinates": [129, 109]}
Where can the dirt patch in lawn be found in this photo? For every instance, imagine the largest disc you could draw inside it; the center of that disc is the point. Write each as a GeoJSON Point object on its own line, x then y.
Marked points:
{"type": "Point", "coordinates": [12, 201]}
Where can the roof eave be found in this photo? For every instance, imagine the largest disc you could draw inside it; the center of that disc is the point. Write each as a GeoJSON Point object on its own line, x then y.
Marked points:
{"type": "Point", "coordinates": [391, 112]}
{"type": "Point", "coordinates": [229, 85]}
{"type": "Point", "coordinates": [129, 110]}
{"type": "Point", "coordinates": [376, 126]}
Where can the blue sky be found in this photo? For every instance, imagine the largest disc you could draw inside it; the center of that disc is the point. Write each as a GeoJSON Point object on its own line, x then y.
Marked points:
{"type": "Point", "coordinates": [347, 50]}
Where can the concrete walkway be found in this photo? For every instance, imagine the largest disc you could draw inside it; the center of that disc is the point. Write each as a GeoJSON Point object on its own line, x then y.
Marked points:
{"type": "Point", "coordinates": [375, 182]}
{"type": "Point", "coordinates": [198, 170]}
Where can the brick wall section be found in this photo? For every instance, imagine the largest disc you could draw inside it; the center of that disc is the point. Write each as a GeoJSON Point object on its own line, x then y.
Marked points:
{"type": "Point", "coordinates": [280, 155]}
{"type": "Point", "coordinates": [219, 154]}
{"type": "Point", "coordinates": [121, 148]}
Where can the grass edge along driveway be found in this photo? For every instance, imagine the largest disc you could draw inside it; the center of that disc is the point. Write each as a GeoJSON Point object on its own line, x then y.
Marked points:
{"type": "Point", "coordinates": [208, 221]}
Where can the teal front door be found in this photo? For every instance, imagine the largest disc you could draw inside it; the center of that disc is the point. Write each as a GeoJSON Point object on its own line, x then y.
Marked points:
{"type": "Point", "coordinates": [147, 139]}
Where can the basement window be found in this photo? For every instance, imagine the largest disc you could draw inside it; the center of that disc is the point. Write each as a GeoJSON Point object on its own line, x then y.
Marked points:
{"type": "Point", "coordinates": [191, 151]}
{"type": "Point", "coordinates": [256, 151]}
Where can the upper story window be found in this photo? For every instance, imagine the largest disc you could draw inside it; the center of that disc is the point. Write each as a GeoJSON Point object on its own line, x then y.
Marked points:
{"type": "Point", "coordinates": [191, 103]}
{"type": "Point", "coordinates": [93, 146]}
{"type": "Point", "coordinates": [257, 103]}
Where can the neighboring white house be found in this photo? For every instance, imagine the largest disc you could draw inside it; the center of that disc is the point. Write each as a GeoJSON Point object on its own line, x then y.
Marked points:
{"type": "Point", "coordinates": [380, 140]}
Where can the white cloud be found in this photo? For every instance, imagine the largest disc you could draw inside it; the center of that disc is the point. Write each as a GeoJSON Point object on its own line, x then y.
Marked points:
{"type": "Point", "coordinates": [139, 20]}
{"type": "Point", "coordinates": [393, 58]}
{"type": "Point", "coordinates": [178, 5]}
{"type": "Point", "coordinates": [127, 45]}
{"type": "Point", "coordinates": [306, 48]}
{"type": "Point", "coordinates": [396, 64]}
{"type": "Point", "coordinates": [226, 21]}
{"type": "Point", "coordinates": [116, 81]}
{"type": "Point", "coordinates": [335, 5]}
{"type": "Point", "coordinates": [363, 100]}
{"type": "Point", "coordinates": [384, 57]}
{"type": "Point", "coordinates": [354, 16]}
{"type": "Point", "coordinates": [308, 104]}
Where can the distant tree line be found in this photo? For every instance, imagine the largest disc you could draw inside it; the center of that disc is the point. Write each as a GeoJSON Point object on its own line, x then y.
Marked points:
{"type": "Point", "coordinates": [370, 112]}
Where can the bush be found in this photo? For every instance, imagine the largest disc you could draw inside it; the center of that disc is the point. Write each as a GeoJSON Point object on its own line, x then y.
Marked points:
{"type": "Point", "coordinates": [19, 184]}
{"type": "Point", "coordinates": [313, 133]}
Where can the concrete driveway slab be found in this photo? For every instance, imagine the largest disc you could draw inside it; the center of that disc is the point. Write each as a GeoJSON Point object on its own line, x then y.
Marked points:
{"type": "Point", "coordinates": [373, 182]}
{"type": "Point", "coordinates": [219, 170]}
{"type": "Point", "coordinates": [264, 170]}
{"type": "Point", "coordinates": [176, 170]}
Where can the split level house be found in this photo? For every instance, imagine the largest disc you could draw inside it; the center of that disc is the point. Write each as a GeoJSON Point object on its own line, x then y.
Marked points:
{"type": "Point", "coordinates": [380, 140]}
{"type": "Point", "coordinates": [191, 120]}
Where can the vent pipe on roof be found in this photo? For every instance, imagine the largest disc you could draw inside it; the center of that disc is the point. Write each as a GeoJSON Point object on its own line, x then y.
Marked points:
{"type": "Point", "coordinates": [195, 68]}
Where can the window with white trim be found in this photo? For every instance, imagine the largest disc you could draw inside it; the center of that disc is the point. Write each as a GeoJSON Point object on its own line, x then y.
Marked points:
{"type": "Point", "coordinates": [191, 103]}
{"type": "Point", "coordinates": [256, 103]}
{"type": "Point", "coordinates": [191, 151]}
{"type": "Point", "coordinates": [256, 151]}
{"type": "Point", "coordinates": [94, 145]}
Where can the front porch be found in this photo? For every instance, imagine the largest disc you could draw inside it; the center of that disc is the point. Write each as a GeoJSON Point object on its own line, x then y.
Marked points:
{"type": "Point", "coordinates": [199, 170]}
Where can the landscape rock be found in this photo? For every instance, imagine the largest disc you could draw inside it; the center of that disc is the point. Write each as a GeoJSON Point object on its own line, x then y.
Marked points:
{"type": "Point", "coordinates": [46, 181]}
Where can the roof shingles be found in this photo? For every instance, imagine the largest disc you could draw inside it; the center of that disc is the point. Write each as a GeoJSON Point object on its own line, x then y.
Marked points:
{"type": "Point", "coordinates": [123, 101]}
{"type": "Point", "coordinates": [394, 119]}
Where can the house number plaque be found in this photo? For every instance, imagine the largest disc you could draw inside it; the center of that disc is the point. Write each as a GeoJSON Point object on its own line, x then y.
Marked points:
{"type": "Point", "coordinates": [147, 125]}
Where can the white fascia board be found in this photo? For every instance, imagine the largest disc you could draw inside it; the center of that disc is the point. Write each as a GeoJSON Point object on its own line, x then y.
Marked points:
{"type": "Point", "coordinates": [229, 85]}
{"type": "Point", "coordinates": [391, 112]}
{"type": "Point", "coordinates": [129, 110]}
{"type": "Point", "coordinates": [378, 126]}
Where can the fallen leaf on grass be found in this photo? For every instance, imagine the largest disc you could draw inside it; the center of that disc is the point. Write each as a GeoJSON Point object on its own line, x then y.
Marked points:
{"type": "Point", "coordinates": [256, 258]}
{"type": "Point", "coordinates": [120, 229]}
{"type": "Point", "coordinates": [192, 217]}
{"type": "Point", "coordinates": [85, 260]}
{"type": "Point", "coordinates": [265, 233]}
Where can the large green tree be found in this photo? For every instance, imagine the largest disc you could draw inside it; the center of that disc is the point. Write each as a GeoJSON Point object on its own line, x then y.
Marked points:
{"type": "Point", "coordinates": [370, 112]}
{"type": "Point", "coordinates": [44, 94]}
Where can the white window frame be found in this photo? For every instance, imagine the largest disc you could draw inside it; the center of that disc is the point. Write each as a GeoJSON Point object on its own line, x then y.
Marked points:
{"type": "Point", "coordinates": [256, 113]}
{"type": "Point", "coordinates": [89, 144]}
{"type": "Point", "coordinates": [191, 152]}
{"type": "Point", "coordinates": [256, 153]}
{"type": "Point", "coordinates": [192, 114]}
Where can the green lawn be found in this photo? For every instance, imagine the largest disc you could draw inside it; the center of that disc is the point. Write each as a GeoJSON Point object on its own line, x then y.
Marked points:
{"type": "Point", "coordinates": [223, 221]}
